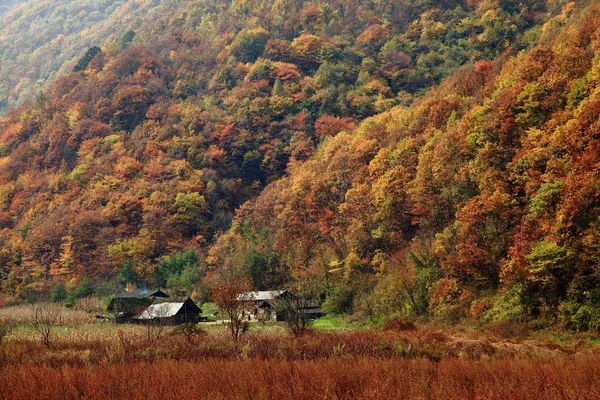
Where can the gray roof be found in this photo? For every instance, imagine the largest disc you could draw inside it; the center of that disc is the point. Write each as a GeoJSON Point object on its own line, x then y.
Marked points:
{"type": "Point", "coordinates": [142, 294]}
{"type": "Point", "coordinates": [260, 295]}
{"type": "Point", "coordinates": [161, 310]}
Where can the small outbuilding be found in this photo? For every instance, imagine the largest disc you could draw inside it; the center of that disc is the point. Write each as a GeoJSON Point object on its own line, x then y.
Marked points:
{"type": "Point", "coordinates": [170, 312]}
{"type": "Point", "coordinates": [128, 305]}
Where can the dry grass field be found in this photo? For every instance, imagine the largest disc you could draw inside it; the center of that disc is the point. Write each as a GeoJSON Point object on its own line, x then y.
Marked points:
{"type": "Point", "coordinates": [94, 360]}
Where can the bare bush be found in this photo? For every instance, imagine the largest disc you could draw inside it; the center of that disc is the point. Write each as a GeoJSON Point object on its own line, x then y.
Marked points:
{"type": "Point", "coordinates": [399, 324]}
{"type": "Point", "coordinates": [189, 331]}
{"type": "Point", "coordinates": [294, 309]}
{"type": "Point", "coordinates": [156, 321]}
{"type": "Point", "coordinates": [226, 295]}
{"type": "Point", "coordinates": [509, 329]}
{"type": "Point", "coordinates": [45, 317]}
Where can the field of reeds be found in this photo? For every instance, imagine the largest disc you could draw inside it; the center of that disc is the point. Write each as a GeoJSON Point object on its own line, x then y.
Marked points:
{"type": "Point", "coordinates": [87, 359]}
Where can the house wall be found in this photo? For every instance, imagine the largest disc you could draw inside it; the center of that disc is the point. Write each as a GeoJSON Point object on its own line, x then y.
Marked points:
{"type": "Point", "coordinates": [187, 316]}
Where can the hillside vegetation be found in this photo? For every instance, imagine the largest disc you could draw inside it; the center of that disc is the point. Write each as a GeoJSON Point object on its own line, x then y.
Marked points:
{"type": "Point", "coordinates": [41, 40]}
{"type": "Point", "coordinates": [481, 200]}
{"type": "Point", "coordinates": [353, 173]}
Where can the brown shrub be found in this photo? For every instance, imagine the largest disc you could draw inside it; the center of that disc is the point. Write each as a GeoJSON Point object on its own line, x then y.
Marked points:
{"type": "Point", "coordinates": [364, 378]}
{"type": "Point", "coordinates": [399, 324]}
{"type": "Point", "coordinates": [190, 331]}
{"type": "Point", "coordinates": [509, 329]}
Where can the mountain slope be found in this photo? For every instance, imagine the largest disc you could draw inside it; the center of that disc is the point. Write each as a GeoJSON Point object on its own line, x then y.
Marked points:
{"type": "Point", "coordinates": [147, 148]}
{"type": "Point", "coordinates": [40, 40]}
{"type": "Point", "coordinates": [481, 200]}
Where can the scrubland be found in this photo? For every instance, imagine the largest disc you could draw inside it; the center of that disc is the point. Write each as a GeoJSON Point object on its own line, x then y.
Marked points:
{"type": "Point", "coordinates": [107, 361]}
{"type": "Point", "coordinates": [328, 378]}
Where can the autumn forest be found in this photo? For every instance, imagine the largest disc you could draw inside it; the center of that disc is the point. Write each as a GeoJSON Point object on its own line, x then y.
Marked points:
{"type": "Point", "coordinates": [418, 158]}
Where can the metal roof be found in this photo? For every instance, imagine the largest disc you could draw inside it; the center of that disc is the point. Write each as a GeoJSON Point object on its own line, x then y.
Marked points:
{"type": "Point", "coordinates": [260, 295]}
{"type": "Point", "coordinates": [161, 310]}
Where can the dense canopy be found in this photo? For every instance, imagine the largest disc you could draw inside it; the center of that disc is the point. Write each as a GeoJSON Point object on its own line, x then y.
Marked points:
{"type": "Point", "coordinates": [411, 157]}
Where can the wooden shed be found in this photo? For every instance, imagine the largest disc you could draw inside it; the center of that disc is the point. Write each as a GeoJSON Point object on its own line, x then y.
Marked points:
{"type": "Point", "coordinates": [128, 305]}
{"type": "Point", "coordinates": [170, 312]}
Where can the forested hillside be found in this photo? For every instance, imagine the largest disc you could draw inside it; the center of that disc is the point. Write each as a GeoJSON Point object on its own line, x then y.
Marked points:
{"type": "Point", "coordinates": [481, 200]}
{"type": "Point", "coordinates": [477, 199]}
{"type": "Point", "coordinates": [40, 40]}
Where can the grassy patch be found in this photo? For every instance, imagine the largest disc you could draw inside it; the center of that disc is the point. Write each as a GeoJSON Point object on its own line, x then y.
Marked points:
{"type": "Point", "coordinates": [332, 322]}
{"type": "Point", "coordinates": [209, 309]}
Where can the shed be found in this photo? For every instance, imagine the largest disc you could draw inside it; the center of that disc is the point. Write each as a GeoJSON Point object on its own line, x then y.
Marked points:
{"type": "Point", "coordinates": [127, 305]}
{"type": "Point", "coordinates": [171, 312]}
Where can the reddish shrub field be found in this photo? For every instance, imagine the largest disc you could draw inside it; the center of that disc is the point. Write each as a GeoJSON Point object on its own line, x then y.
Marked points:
{"type": "Point", "coordinates": [104, 362]}
{"type": "Point", "coordinates": [341, 378]}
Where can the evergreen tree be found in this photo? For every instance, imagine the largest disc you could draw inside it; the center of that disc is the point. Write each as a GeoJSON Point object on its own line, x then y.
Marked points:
{"type": "Point", "coordinates": [59, 292]}
{"type": "Point", "coordinates": [84, 288]}
{"type": "Point", "coordinates": [87, 58]}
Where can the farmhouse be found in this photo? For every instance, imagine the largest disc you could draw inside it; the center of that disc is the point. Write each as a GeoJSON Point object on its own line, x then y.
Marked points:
{"type": "Point", "coordinates": [170, 312]}
{"type": "Point", "coordinates": [127, 305]}
{"type": "Point", "coordinates": [264, 305]}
